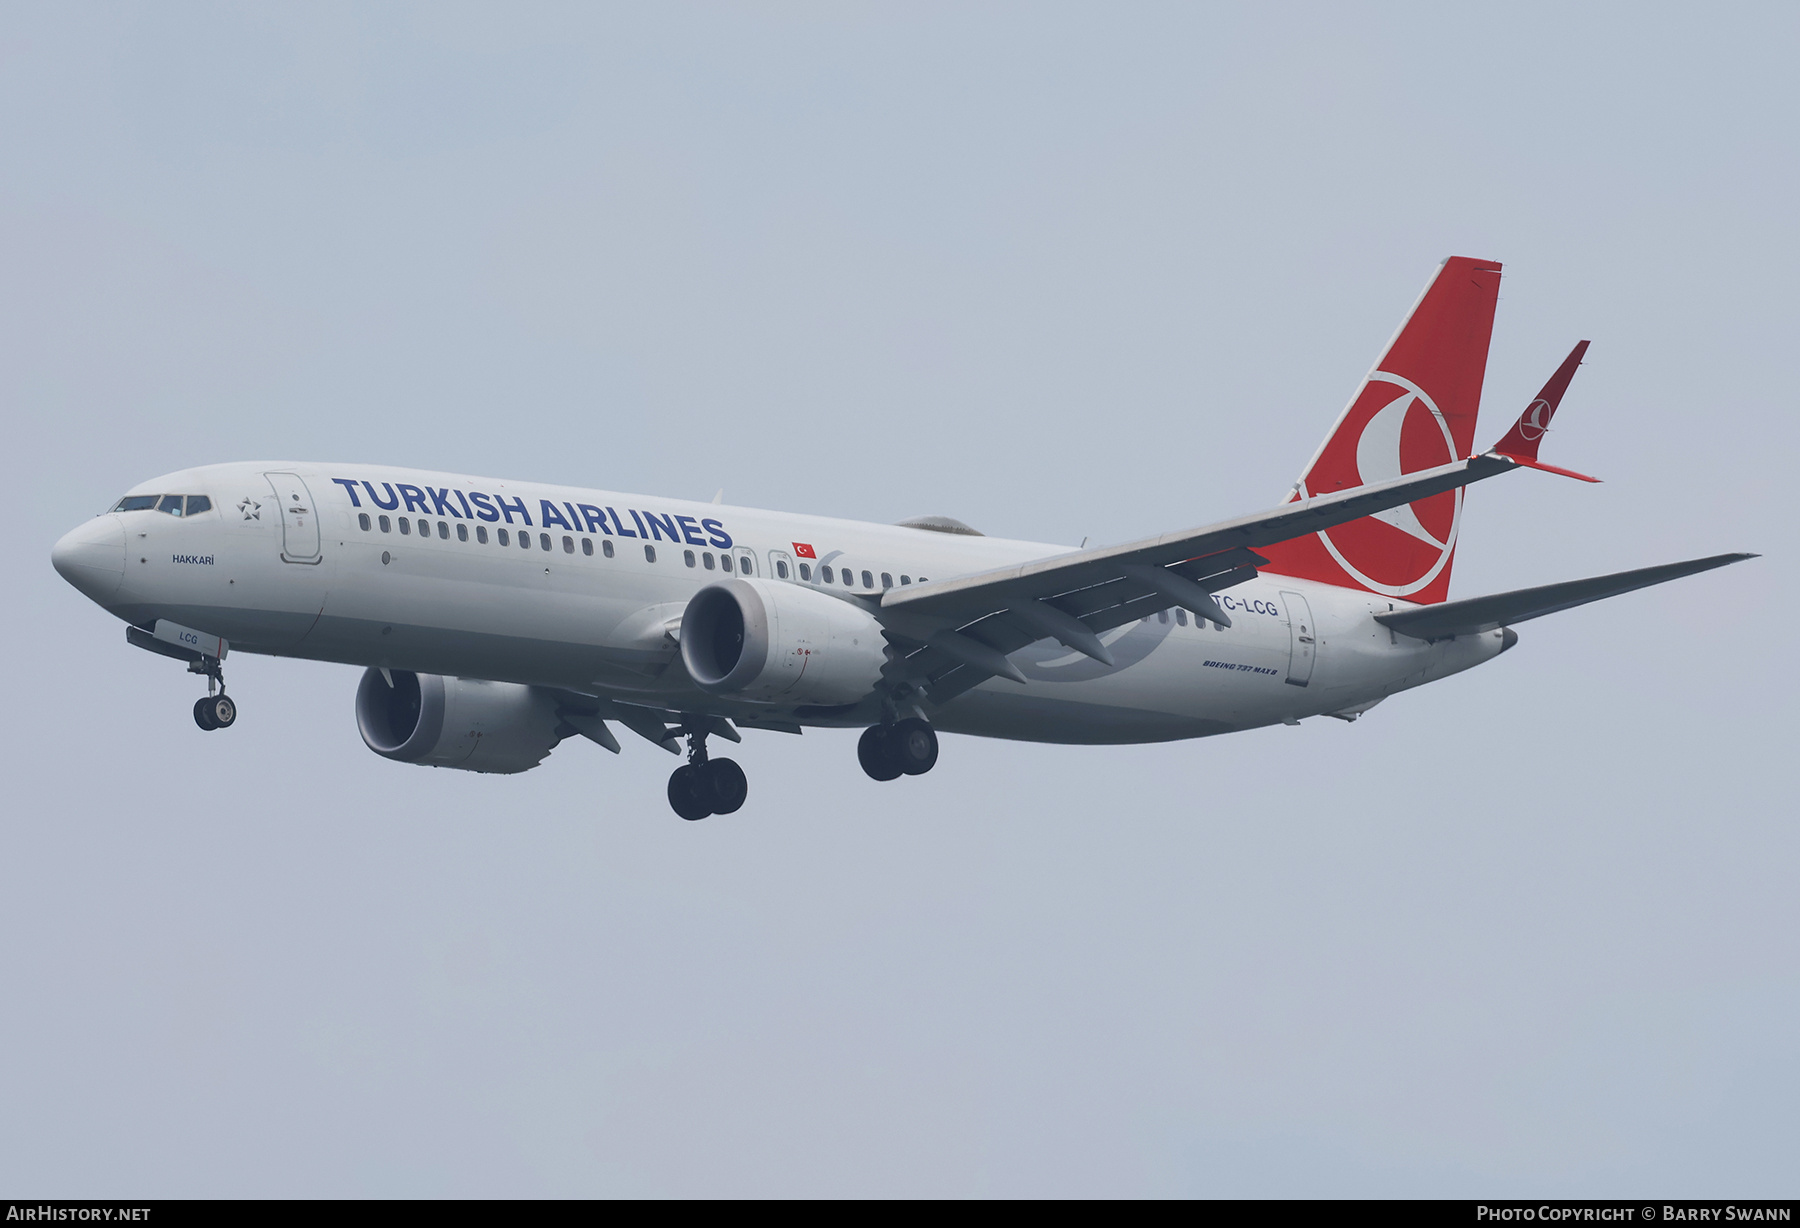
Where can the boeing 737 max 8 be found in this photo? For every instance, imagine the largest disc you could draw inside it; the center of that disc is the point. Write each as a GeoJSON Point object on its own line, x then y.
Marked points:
{"type": "Point", "coordinates": [496, 618]}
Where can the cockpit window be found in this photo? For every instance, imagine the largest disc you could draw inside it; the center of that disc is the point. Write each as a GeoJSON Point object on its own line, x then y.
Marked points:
{"type": "Point", "coordinates": [172, 504]}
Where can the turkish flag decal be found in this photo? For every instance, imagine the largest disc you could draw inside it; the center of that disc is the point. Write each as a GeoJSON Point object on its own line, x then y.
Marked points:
{"type": "Point", "coordinates": [804, 550]}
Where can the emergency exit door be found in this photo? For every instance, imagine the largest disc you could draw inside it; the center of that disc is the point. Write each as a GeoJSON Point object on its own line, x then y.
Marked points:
{"type": "Point", "coordinates": [299, 518]}
{"type": "Point", "coordinates": [1303, 639]}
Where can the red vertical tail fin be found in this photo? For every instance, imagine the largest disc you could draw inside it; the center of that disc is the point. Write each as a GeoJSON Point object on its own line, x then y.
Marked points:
{"type": "Point", "coordinates": [1415, 410]}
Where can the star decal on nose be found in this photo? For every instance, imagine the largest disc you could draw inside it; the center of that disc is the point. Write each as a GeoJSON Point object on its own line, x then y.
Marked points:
{"type": "Point", "coordinates": [251, 508]}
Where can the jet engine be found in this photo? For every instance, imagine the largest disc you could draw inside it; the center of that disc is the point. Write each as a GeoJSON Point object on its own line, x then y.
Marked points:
{"type": "Point", "coordinates": [455, 722]}
{"type": "Point", "coordinates": [755, 639]}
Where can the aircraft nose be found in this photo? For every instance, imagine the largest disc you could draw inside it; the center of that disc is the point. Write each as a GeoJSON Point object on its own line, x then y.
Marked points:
{"type": "Point", "coordinates": [92, 557]}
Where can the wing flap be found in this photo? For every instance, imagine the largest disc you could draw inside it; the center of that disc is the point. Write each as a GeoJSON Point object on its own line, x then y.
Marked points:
{"type": "Point", "coordinates": [1477, 614]}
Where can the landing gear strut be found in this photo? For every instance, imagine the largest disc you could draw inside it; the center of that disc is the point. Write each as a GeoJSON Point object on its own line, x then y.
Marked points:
{"type": "Point", "coordinates": [213, 711]}
{"type": "Point", "coordinates": [703, 786]}
{"type": "Point", "coordinates": [904, 748]}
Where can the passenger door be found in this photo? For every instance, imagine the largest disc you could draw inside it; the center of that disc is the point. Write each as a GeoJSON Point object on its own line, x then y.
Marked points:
{"type": "Point", "coordinates": [1303, 640]}
{"type": "Point", "coordinates": [299, 518]}
{"type": "Point", "coordinates": [781, 567]}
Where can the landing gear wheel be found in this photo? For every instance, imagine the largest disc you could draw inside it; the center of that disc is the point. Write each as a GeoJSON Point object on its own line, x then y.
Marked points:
{"type": "Point", "coordinates": [223, 710]}
{"type": "Point", "coordinates": [726, 782]}
{"type": "Point", "coordinates": [875, 751]}
{"type": "Point", "coordinates": [690, 794]}
{"type": "Point", "coordinates": [203, 716]}
{"type": "Point", "coordinates": [913, 746]}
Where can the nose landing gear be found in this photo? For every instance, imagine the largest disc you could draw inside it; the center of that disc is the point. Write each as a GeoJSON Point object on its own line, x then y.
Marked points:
{"type": "Point", "coordinates": [213, 711]}
{"type": "Point", "coordinates": [904, 748]}
{"type": "Point", "coordinates": [704, 786]}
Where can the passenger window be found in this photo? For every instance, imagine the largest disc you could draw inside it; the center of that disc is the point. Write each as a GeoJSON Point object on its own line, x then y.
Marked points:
{"type": "Point", "coordinates": [543, 541]}
{"type": "Point", "coordinates": [868, 580]}
{"type": "Point", "coordinates": [405, 527]}
{"type": "Point", "coordinates": [587, 546]}
{"type": "Point", "coordinates": [746, 565]}
{"type": "Point", "coordinates": [780, 570]}
{"type": "Point", "coordinates": [462, 532]}
{"type": "Point", "coordinates": [724, 562]}
{"type": "Point", "coordinates": [649, 554]}
{"type": "Point", "coordinates": [1181, 618]}
{"type": "Point", "coordinates": [383, 522]}
{"type": "Point", "coordinates": [606, 548]}
{"type": "Point", "coordinates": [502, 538]}
{"type": "Point", "coordinates": [568, 545]}
{"type": "Point", "coordinates": [524, 541]}
{"type": "Point", "coordinates": [687, 556]}
{"type": "Point", "coordinates": [136, 503]}
{"type": "Point", "coordinates": [481, 534]}
{"type": "Point", "coordinates": [200, 503]}
{"type": "Point", "coordinates": [362, 521]}
{"type": "Point", "coordinates": [825, 573]}
{"type": "Point", "coordinates": [171, 504]}
{"type": "Point", "coordinates": [1162, 616]}
{"type": "Point", "coordinates": [443, 531]}
{"type": "Point", "coordinates": [924, 580]}
{"type": "Point", "coordinates": [806, 571]}
{"type": "Point", "coordinates": [905, 579]}
{"type": "Point", "coordinates": [887, 581]}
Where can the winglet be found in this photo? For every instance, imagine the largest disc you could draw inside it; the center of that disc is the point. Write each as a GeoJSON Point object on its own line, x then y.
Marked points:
{"type": "Point", "coordinates": [1521, 443]}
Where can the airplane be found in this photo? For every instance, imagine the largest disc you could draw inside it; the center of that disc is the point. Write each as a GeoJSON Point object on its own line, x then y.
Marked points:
{"type": "Point", "coordinates": [494, 618]}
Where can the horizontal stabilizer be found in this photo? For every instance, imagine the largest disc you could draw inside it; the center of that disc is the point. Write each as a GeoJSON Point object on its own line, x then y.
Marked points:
{"type": "Point", "coordinates": [1440, 622]}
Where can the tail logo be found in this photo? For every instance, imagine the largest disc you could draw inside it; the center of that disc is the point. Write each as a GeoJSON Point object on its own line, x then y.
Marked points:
{"type": "Point", "coordinates": [1404, 433]}
{"type": "Point", "coordinates": [1535, 422]}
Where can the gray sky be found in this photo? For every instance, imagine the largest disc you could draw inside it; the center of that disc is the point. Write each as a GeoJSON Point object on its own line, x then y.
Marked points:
{"type": "Point", "coordinates": [1059, 272]}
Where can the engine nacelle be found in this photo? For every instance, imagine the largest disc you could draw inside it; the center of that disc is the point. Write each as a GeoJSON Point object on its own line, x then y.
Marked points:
{"type": "Point", "coordinates": [455, 722]}
{"type": "Point", "coordinates": [756, 639]}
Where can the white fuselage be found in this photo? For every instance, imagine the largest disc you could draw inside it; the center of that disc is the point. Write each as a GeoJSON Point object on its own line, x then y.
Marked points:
{"type": "Point", "coordinates": [283, 566]}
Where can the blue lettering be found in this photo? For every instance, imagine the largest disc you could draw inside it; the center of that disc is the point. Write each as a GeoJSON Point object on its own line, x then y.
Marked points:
{"type": "Point", "coordinates": [467, 514]}
{"type": "Point", "coordinates": [393, 500]}
{"type": "Point", "coordinates": [658, 524]}
{"type": "Point", "coordinates": [349, 484]}
{"type": "Point", "coordinates": [642, 531]}
{"type": "Point", "coordinates": [722, 540]}
{"type": "Point", "coordinates": [486, 505]}
{"type": "Point", "coordinates": [623, 531]}
{"type": "Point", "coordinates": [552, 516]}
{"type": "Point", "coordinates": [440, 500]}
{"type": "Point", "coordinates": [412, 494]}
{"type": "Point", "coordinates": [596, 519]}
{"type": "Point", "coordinates": [517, 505]}
{"type": "Point", "coordinates": [690, 529]}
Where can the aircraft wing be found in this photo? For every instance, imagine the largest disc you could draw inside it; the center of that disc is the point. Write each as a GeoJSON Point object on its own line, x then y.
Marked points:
{"type": "Point", "coordinates": [1452, 618]}
{"type": "Point", "coordinates": [956, 633]}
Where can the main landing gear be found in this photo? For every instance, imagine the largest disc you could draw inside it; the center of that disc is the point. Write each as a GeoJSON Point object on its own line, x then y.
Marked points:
{"type": "Point", "coordinates": [904, 748]}
{"type": "Point", "coordinates": [704, 786]}
{"type": "Point", "coordinates": [213, 711]}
